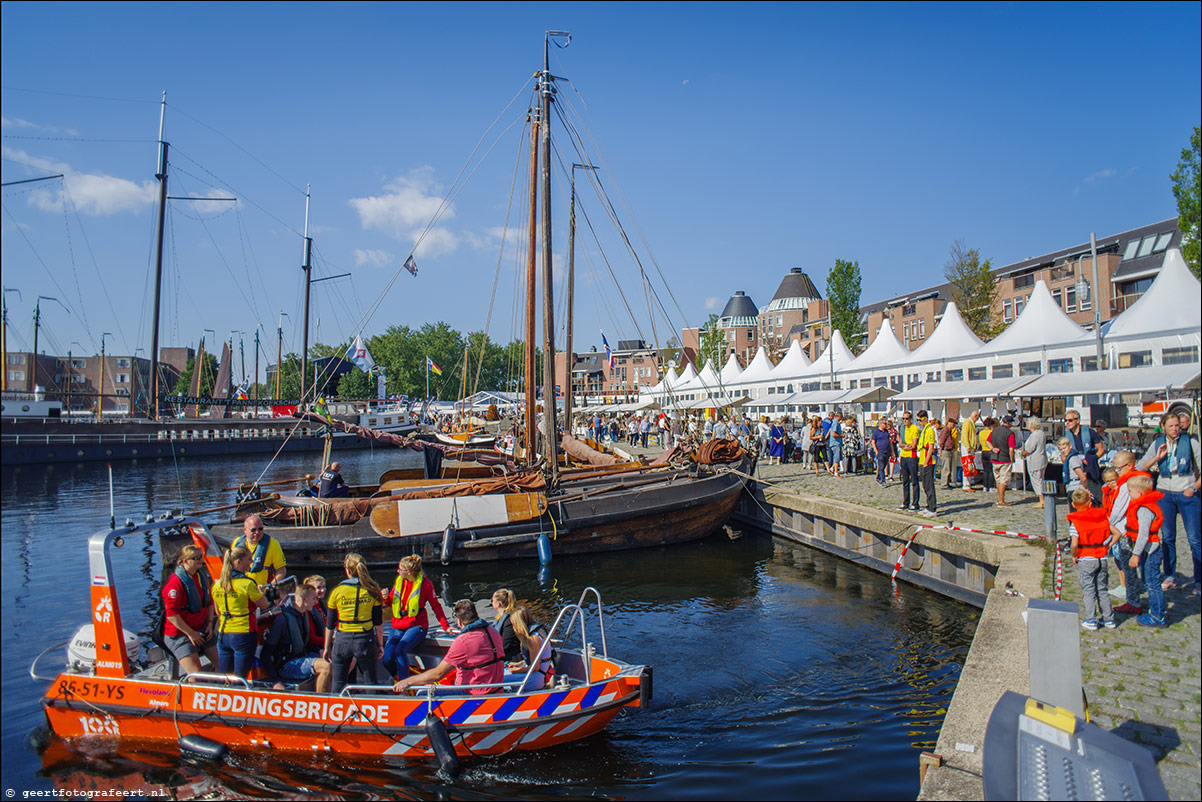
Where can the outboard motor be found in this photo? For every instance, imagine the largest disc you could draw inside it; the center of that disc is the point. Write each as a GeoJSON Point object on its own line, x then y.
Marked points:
{"type": "Point", "coordinates": [81, 652]}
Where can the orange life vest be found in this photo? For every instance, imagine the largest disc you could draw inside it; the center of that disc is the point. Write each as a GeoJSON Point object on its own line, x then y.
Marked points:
{"type": "Point", "coordinates": [1146, 500]}
{"type": "Point", "coordinates": [1109, 494]}
{"type": "Point", "coordinates": [1093, 529]}
{"type": "Point", "coordinates": [1122, 480]}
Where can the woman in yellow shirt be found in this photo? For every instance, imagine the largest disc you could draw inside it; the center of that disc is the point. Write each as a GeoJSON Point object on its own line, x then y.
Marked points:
{"type": "Point", "coordinates": [235, 597]}
{"type": "Point", "coordinates": [354, 630]}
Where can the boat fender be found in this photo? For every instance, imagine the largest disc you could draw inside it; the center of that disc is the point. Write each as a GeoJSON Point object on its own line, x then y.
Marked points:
{"type": "Point", "coordinates": [448, 544]}
{"type": "Point", "coordinates": [544, 548]}
{"type": "Point", "coordinates": [440, 742]}
{"type": "Point", "coordinates": [202, 748]}
{"type": "Point", "coordinates": [645, 685]}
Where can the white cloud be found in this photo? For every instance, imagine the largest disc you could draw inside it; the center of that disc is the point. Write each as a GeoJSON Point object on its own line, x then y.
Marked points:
{"type": "Point", "coordinates": [491, 238]}
{"type": "Point", "coordinates": [713, 303]}
{"type": "Point", "coordinates": [437, 242]}
{"type": "Point", "coordinates": [405, 208]}
{"type": "Point", "coordinates": [92, 193]}
{"type": "Point", "coordinates": [1102, 175]}
{"type": "Point", "coordinates": [376, 258]}
{"type": "Point", "coordinates": [16, 122]}
{"type": "Point", "coordinates": [684, 82]}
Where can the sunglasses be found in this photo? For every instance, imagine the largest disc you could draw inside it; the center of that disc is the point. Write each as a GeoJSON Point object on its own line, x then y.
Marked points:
{"type": "Point", "coordinates": [256, 529]}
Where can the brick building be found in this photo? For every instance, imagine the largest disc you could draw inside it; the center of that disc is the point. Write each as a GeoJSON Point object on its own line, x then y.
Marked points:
{"type": "Point", "coordinates": [635, 370]}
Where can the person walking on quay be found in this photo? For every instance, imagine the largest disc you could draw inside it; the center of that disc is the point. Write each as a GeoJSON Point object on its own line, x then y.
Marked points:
{"type": "Point", "coordinates": [907, 436]}
{"type": "Point", "coordinates": [817, 445]}
{"type": "Point", "coordinates": [882, 449]}
{"type": "Point", "coordinates": [1124, 465]}
{"type": "Point", "coordinates": [987, 453]}
{"type": "Point", "coordinates": [1143, 526]}
{"type": "Point", "coordinates": [745, 432]}
{"type": "Point", "coordinates": [761, 432]}
{"type": "Point", "coordinates": [853, 444]}
{"type": "Point", "coordinates": [947, 452]}
{"type": "Point", "coordinates": [1002, 441]}
{"type": "Point", "coordinates": [1088, 532]}
{"type": "Point", "coordinates": [1035, 452]}
{"type": "Point", "coordinates": [807, 454]}
{"type": "Point", "coordinates": [834, 447]}
{"type": "Point", "coordinates": [1086, 443]}
{"type": "Point", "coordinates": [927, 447]}
{"type": "Point", "coordinates": [776, 442]}
{"type": "Point", "coordinates": [968, 446]}
{"type": "Point", "coordinates": [645, 429]}
{"type": "Point", "coordinates": [1176, 456]}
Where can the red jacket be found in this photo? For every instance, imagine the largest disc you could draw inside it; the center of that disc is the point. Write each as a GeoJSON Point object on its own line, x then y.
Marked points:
{"type": "Point", "coordinates": [421, 619]}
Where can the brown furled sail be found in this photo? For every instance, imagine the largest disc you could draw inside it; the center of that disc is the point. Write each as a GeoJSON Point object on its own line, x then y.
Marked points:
{"type": "Point", "coordinates": [482, 456]}
{"type": "Point", "coordinates": [221, 387]}
{"type": "Point", "coordinates": [193, 410]}
{"type": "Point", "coordinates": [583, 452]}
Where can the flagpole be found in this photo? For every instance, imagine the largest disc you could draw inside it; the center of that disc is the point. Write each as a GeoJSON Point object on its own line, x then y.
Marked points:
{"type": "Point", "coordinates": [427, 380]}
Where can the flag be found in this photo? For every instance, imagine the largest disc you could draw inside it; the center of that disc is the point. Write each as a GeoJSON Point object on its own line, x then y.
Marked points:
{"type": "Point", "coordinates": [240, 393]}
{"type": "Point", "coordinates": [359, 354]}
{"type": "Point", "coordinates": [411, 265]}
{"type": "Point", "coordinates": [609, 355]}
{"type": "Point", "coordinates": [430, 366]}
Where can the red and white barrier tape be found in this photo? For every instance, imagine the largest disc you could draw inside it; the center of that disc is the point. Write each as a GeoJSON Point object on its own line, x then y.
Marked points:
{"type": "Point", "coordinates": [897, 566]}
{"type": "Point", "coordinates": [1059, 574]}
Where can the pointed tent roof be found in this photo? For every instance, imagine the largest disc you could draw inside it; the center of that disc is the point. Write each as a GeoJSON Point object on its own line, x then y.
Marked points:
{"type": "Point", "coordinates": [885, 351]}
{"type": "Point", "coordinates": [793, 363]}
{"type": "Point", "coordinates": [759, 369]}
{"type": "Point", "coordinates": [837, 351]}
{"type": "Point", "coordinates": [1161, 309]}
{"type": "Point", "coordinates": [1042, 323]}
{"type": "Point", "coordinates": [731, 370]}
{"type": "Point", "coordinates": [708, 380]}
{"type": "Point", "coordinates": [952, 337]}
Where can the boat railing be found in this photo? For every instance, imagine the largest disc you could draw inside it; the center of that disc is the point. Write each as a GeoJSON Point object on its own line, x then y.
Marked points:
{"type": "Point", "coordinates": [600, 617]}
{"type": "Point", "coordinates": [222, 679]}
{"type": "Point", "coordinates": [33, 667]}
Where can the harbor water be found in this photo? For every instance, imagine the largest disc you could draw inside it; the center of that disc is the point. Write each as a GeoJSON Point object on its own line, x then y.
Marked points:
{"type": "Point", "coordinates": [780, 672]}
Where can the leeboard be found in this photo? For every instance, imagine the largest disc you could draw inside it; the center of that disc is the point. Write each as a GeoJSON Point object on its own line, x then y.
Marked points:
{"type": "Point", "coordinates": [421, 516]}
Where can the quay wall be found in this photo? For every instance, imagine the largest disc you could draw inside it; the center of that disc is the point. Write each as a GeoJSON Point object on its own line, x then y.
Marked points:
{"type": "Point", "coordinates": [972, 568]}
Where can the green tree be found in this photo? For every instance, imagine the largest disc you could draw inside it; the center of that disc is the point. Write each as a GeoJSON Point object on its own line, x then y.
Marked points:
{"type": "Point", "coordinates": [974, 289]}
{"type": "Point", "coordinates": [713, 344]}
{"type": "Point", "coordinates": [669, 353]}
{"type": "Point", "coordinates": [843, 295]}
{"type": "Point", "coordinates": [356, 384]}
{"type": "Point", "coordinates": [321, 351]}
{"type": "Point", "coordinates": [1188, 193]}
{"type": "Point", "coordinates": [208, 375]}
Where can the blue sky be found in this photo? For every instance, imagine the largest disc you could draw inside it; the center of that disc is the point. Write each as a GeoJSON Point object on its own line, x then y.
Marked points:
{"type": "Point", "coordinates": [738, 140]}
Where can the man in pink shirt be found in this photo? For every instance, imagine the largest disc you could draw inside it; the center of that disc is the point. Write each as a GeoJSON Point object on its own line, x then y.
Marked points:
{"type": "Point", "coordinates": [477, 656]}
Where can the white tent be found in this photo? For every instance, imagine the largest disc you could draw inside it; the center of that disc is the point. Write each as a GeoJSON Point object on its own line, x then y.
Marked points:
{"type": "Point", "coordinates": [731, 370]}
{"type": "Point", "coordinates": [1098, 382]}
{"type": "Point", "coordinates": [946, 391]}
{"type": "Point", "coordinates": [951, 338]}
{"type": "Point", "coordinates": [1041, 324]}
{"type": "Point", "coordinates": [886, 351]}
{"type": "Point", "coordinates": [837, 356]}
{"type": "Point", "coordinates": [792, 364]}
{"type": "Point", "coordinates": [1170, 305]}
{"type": "Point", "coordinates": [759, 370]}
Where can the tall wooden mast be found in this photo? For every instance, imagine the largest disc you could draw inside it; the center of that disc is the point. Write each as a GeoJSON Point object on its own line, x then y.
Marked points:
{"type": "Point", "coordinates": [531, 416]}
{"type": "Point", "coordinates": [161, 175]}
{"type": "Point", "coordinates": [550, 433]}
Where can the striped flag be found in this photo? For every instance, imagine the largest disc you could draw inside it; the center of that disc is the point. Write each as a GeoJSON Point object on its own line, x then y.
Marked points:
{"type": "Point", "coordinates": [411, 265]}
{"type": "Point", "coordinates": [609, 355]}
{"type": "Point", "coordinates": [430, 366]}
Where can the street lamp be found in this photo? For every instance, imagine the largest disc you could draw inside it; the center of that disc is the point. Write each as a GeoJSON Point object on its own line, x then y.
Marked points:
{"type": "Point", "coordinates": [1084, 295]}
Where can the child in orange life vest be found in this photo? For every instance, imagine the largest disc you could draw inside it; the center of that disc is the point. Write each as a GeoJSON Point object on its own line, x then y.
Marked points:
{"type": "Point", "coordinates": [1143, 527]}
{"type": "Point", "coordinates": [1089, 536]}
{"type": "Point", "coordinates": [1110, 491]}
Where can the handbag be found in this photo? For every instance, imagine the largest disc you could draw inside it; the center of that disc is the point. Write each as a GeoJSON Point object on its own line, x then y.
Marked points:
{"type": "Point", "coordinates": [969, 464]}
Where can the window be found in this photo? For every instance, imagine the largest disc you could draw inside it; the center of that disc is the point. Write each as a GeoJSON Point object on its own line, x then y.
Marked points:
{"type": "Point", "coordinates": [1070, 299]}
{"type": "Point", "coordinates": [731, 335]}
{"type": "Point", "coordinates": [1056, 297]}
{"type": "Point", "coordinates": [79, 364]}
{"type": "Point", "coordinates": [1060, 366]}
{"type": "Point", "coordinates": [1132, 246]}
{"type": "Point", "coordinates": [121, 378]}
{"type": "Point", "coordinates": [1162, 242]}
{"type": "Point", "coordinates": [976, 374]}
{"type": "Point", "coordinates": [1003, 371]}
{"type": "Point", "coordinates": [16, 375]}
{"type": "Point", "coordinates": [1018, 306]}
{"type": "Point", "coordinates": [922, 328]}
{"type": "Point", "coordinates": [867, 383]}
{"type": "Point", "coordinates": [771, 391]}
{"type": "Point", "coordinates": [881, 381]}
{"type": "Point", "coordinates": [1065, 271]}
{"type": "Point", "coordinates": [123, 363]}
{"type": "Point", "coordinates": [1145, 247]}
{"type": "Point", "coordinates": [1180, 356]}
{"type": "Point", "coordinates": [1086, 303]}
{"type": "Point", "coordinates": [1029, 369]}
{"type": "Point", "coordinates": [1135, 359]}
{"type": "Point", "coordinates": [954, 375]}
{"type": "Point", "coordinates": [1006, 311]}
{"type": "Point", "coordinates": [16, 359]}
{"type": "Point", "coordinates": [780, 320]}
{"type": "Point", "coordinates": [1137, 287]}
{"type": "Point", "coordinates": [1021, 282]}
{"type": "Point", "coordinates": [934, 376]}
{"type": "Point", "coordinates": [909, 309]}
{"type": "Point", "coordinates": [1091, 363]}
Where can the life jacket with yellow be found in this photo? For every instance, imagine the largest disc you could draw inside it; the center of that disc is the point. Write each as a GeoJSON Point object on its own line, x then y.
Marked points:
{"type": "Point", "coordinates": [258, 553]}
{"type": "Point", "coordinates": [1093, 529]}
{"type": "Point", "coordinates": [354, 612]}
{"type": "Point", "coordinates": [233, 605]}
{"type": "Point", "coordinates": [1147, 500]}
{"type": "Point", "coordinates": [407, 605]}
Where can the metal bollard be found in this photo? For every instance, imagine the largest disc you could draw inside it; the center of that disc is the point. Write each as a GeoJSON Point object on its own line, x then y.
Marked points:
{"type": "Point", "coordinates": [1049, 514]}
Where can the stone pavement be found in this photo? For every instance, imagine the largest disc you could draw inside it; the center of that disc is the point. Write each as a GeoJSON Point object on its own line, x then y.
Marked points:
{"type": "Point", "coordinates": [1143, 684]}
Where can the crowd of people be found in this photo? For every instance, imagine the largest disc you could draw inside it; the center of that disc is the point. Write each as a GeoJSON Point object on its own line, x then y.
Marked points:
{"type": "Point", "coordinates": [246, 627]}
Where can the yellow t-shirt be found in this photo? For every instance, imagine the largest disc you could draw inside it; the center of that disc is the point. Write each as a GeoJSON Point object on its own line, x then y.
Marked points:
{"type": "Point", "coordinates": [354, 605]}
{"type": "Point", "coordinates": [908, 434]}
{"type": "Point", "coordinates": [927, 445]}
{"type": "Point", "coordinates": [234, 608]}
{"type": "Point", "coordinates": [968, 435]}
{"type": "Point", "coordinates": [273, 562]}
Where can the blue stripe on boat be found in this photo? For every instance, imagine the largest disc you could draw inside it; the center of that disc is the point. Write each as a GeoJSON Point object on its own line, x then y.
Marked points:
{"type": "Point", "coordinates": [506, 710]}
{"type": "Point", "coordinates": [465, 710]}
{"type": "Point", "coordinates": [417, 716]}
{"type": "Point", "coordinates": [591, 696]}
{"type": "Point", "coordinates": [548, 707]}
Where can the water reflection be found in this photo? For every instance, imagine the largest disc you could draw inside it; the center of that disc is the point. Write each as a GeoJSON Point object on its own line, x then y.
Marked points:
{"type": "Point", "coordinates": [774, 664]}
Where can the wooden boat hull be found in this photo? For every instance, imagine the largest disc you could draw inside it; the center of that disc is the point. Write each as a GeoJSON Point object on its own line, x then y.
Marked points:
{"type": "Point", "coordinates": [636, 517]}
